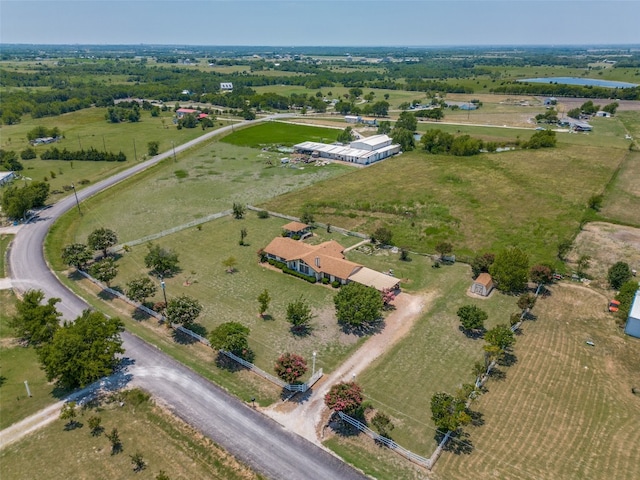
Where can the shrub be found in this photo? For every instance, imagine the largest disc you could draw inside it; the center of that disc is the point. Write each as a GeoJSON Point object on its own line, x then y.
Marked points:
{"type": "Point", "coordinates": [263, 214]}
{"type": "Point", "coordinates": [335, 284]}
{"type": "Point", "coordinates": [325, 281]}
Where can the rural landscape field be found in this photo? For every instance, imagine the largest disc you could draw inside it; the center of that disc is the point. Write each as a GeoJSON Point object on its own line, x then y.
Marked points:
{"type": "Point", "coordinates": [240, 232]}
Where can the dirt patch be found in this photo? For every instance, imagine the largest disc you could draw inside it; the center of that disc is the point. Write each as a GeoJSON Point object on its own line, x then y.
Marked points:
{"type": "Point", "coordinates": [606, 244]}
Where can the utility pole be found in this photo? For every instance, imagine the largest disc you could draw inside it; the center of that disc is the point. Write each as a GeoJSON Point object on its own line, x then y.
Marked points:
{"type": "Point", "coordinates": [76, 195]}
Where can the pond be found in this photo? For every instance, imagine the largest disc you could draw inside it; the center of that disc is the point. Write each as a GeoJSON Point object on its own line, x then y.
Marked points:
{"type": "Point", "coordinates": [580, 81]}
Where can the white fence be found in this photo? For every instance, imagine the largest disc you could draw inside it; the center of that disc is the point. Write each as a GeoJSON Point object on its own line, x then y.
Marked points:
{"type": "Point", "coordinates": [423, 462]}
{"type": "Point", "coordinates": [302, 387]}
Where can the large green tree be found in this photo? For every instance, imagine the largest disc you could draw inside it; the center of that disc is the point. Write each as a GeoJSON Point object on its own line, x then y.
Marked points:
{"type": "Point", "coordinates": [472, 317]}
{"type": "Point", "coordinates": [163, 262]}
{"type": "Point", "coordinates": [76, 255]}
{"type": "Point", "coordinates": [140, 288]}
{"type": "Point", "coordinates": [102, 239]}
{"type": "Point", "coordinates": [231, 336]}
{"type": "Point", "coordinates": [183, 310]}
{"type": "Point", "coordinates": [408, 121]}
{"type": "Point", "coordinates": [501, 337]}
{"type": "Point", "coordinates": [404, 138]}
{"type": "Point", "coordinates": [17, 201]}
{"type": "Point", "coordinates": [449, 413]}
{"type": "Point", "coordinates": [357, 304]}
{"type": "Point", "coordinates": [618, 273]}
{"type": "Point", "coordinates": [105, 270]}
{"type": "Point", "coordinates": [299, 315]}
{"type": "Point", "coordinates": [35, 322]}
{"type": "Point", "coordinates": [82, 351]}
{"type": "Point", "coordinates": [510, 270]}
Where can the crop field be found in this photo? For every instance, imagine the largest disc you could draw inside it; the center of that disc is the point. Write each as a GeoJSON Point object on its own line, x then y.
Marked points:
{"type": "Point", "coordinates": [204, 181]}
{"type": "Point", "coordinates": [18, 364]}
{"type": "Point", "coordinates": [165, 442]}
{"type": "Point", "coordinates": [88, 128]}
{"type": "Point", "coordinates": [565, 409]}
{"type": "Point", "coordinates": [279, 133]}
{"type": "Point", "coordinates": [481, 203]}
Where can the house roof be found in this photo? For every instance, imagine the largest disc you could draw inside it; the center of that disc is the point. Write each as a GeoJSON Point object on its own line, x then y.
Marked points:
{"type": "Point", "coordinates": [374, 279]}
{"type": "Point", "coordinates": [186, 110]}
{"type": "Point", "coordinates": [484, 279]}
{"type": "Point", "coordinates": [295, 226]}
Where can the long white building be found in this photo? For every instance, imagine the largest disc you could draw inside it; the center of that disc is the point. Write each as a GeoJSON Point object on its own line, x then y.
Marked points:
{"type": "Point", "coordinates": [364, 151]}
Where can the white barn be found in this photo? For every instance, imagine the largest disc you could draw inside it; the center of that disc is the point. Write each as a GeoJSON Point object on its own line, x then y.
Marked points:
{"type": "Point", "coordinates": [226, 86]}
{"type": "Point", "coordinates": [633, 322]}
{"type": "Point", "coordinates": [363, 152]}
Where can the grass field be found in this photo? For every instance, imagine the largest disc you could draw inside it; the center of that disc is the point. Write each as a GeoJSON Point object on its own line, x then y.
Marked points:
{"type": "Point", "coordinates": [478, 203]}
{"type": "Point", "coordinates": [164, 441]}
{"type": "Point", "coordinates": [622, 199]}
{"type": "Point", "coordinates": [278, 133]}
{"type": "Point", "coordinates": [5, 240]}
{"type": "Point", "coordinates": [17, 364]}
{"type": "Point", "coordinates": [565, 410]}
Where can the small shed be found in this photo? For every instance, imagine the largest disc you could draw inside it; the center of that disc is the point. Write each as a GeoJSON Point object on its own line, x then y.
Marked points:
{"type": "Point", "coordinates": [482, 285]}
{"type": "Point", "coordinates": [633, 321]}
{"type": "Point", "coordinates": [296, 228]}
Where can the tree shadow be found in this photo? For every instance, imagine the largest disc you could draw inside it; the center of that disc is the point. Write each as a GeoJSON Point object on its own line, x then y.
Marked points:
{"type": "Point", "coordinates": [301, 330]}
{"type": "Point", "coordinates": [96, 432]}
{"type": "Point", "coordinates": [297, 398]}
{"type": "Point", "coordinates": [508, 359]}
{"type": "Point", "coordinates": [106, 296]}
{"type": "Point", "coordinates": [3, 380]}
{"type": "Point", "coordinates": [497, 374]}
{"type": "Point", "coordinates": [477, 418]}
{"type": "Point", "coordinates": [116, 448]}
{"type": "Point", "coordinates": [225, 363]}
{"type": "Point", "coordinates": [342, 428]}
{"type": "Point", "coordinates": [267, 317]}
{"type": "Point", "coordinates": [72, 425]}
{"type": "Point", "coordinates": [472, 334]}
{"type": "Point", "coordinates": [183, 338]}
{"type": "Point", "coordinates": [140, 315]}
{"type": "Point", "coordinates": [364, 329]}
{"type": "Point", "coordinates": [460, 444]}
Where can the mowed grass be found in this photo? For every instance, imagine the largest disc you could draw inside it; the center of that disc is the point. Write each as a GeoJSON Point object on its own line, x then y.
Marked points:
{"type": "Point", "coordinates": [88, 128]}
{"type": "Point", "coordinates": [233, 297]}
{"type": "Point", "coordinates": [622, 199]}
{"type": "Point", "coordinates": [5, 240]}
{"type": "Point", "coordinates": [165, 442]}
{"type": "Point", "coordinates": [531, 199]}
{"type": "Point", "coordinates": [209, 180]}
{"type": "Point", "coordinates": [565, 410]}
{"type": "Point", "coordinates": [17, 364]}
{"type": "Point", "coordinates": [279, 133]}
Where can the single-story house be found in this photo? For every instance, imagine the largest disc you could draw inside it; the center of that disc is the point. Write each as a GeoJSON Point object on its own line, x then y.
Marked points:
{"type": "Point", "coordinates": [633, 321]}
{"type": "Point", "coordinates": [482, 285]}
{"type": "Point", "coordinates": [296, 228]}
{"type": "Point", "coordinates": [181, 112]}
{"type": "Point", "coordinates": [326, 261]}
{"type": "Point", "coordinates": [6, 177]}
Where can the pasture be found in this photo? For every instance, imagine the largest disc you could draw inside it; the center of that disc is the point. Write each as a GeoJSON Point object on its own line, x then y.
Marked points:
{"type": "Point", "coordinates": [165, 442]}
{"type": "Point", "coordinates": [279, 133]}
{"type": "Point", "coordinates": [481, 203]}
{"type": "Point", "coordinates": [565, 409]}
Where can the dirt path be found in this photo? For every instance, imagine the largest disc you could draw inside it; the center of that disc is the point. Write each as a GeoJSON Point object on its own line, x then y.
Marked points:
{"type": "Point", "coordinates": [306, 417]}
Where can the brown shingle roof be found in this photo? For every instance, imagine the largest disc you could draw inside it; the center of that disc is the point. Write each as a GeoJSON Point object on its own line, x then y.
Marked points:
{"type": "Point", "coordinates": [295, 226]}
{"type": "Point", "coordinates": [484, 279]}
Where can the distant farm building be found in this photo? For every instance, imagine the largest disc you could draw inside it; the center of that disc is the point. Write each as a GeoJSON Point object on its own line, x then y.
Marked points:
{"type": "Point", "coordinates": [296, 229]}
{"type": "Point", "coordinates": [575, 125]}
{"type": "Point", "coordinates": [226, 86]}
{"type": "Point", "coordinates": [633, 321]}
{"type": "Point", "coordinates": [363, 120]}
{"type": "Point", "coordinates": [6, 177]}
{"type": "Point", "coordinates": [482, 285]}
{"type": "Point", "coordinates": [364, 151]}
{"type": "Point", "coordinates": [550, 101]}
{"type": "Point", "coordinates": [181, 112]}
{"type": "Point", "coordinates": [604, 114]}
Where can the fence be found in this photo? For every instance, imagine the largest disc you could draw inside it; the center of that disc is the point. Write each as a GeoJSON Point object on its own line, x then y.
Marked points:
{"type": "Point", "coordinates": [302, 387]}
{"type": "Point", "coordinates": [423, 462]}
{"type": "Point", "coordinates": [184, 226]}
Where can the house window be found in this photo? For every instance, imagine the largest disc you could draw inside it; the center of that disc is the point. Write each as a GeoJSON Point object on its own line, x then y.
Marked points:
{"type": "Point", "coordinates": [303, 268]}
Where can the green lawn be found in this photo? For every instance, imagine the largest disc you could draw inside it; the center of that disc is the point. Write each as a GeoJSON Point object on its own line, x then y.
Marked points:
{"type": "Point", "coordinates": [164, 441]}
{"type": "Point", "coordinates": [5, 240]}
{"type": "Point", "coordinates": [483, 203]}
{"type": "Point", "coordinates": [278, 133]}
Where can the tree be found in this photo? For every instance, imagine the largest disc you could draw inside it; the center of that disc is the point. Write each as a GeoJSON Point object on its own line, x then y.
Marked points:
{"type": "Point", "coordinates": [345, 136]}
{"type": "Point", "coordinates": [589, 108]}
{"type": "Point", "coordinates": [564, 247]}
{"type": "Point", "coordinates": [116, 443]}
{"type": "Point", "coordinates": [595, 202]}
{"type": "Point", "coordinates": [408, 121]}
{"type": "Point", "coordinates": [382, 235]}
{"type": "Point", "coordinates": [382, 423]}
{"type": "Point", "coordinates": [443, 249]}
{"type": "Point", "coordinates": [541, 139]}
{"type": "Point", "coordinates": [574, 113]}
{"type": "Point", "coordinates": [307, 216]}
{"type": "Point", "coordinates": [105, 270]}
{"type": "Point", "coordinates": [238, 211]}
{"type": "Point", "coordinates": [82, 351]}
{"type": "Point", "coordinates": [472, 317]}
{"type": "Point", "coordinates": [384, 128]}
{"type": "Point", "coordinates": [526, 301]}
{"type": "Point", "coordinates": [69, 412]}
{"type": "Point", "coordinates": [436, 141]}
{"type": "Point", "coordinates": [243, 235]}
{"type": "Point", "coordinates": [140, 288]}
{"type": "Point", "coordinates": [161, 261]}
{"type": "Point", "coordinates": [501, 337]}
{"type": "Point", "coordinates": [449, 413]}
{"type": "Point", "coordinates": [481, 263]}
{"type": "Point", "coordinates": [583, 263]}
{"type": "Point", "coordinates": [34, 322]}
{"type": "Point", "coordinates": [541, 274]}
{"type": "Point", "coordinates": [510, 270]}
{"type": "Point", "coordinates": [95, 425]}
{"type": "Point", "coordinates": [162, 475]}
{"type": "Point", "coordinates": [230, 264]}
{"type": "Point", "coordinates": [618, 274]}
{"type": "Point", "coordinates": [76, 255]}
{"type": "Point", "coordinates": [17, 201]}
{"type": "Point", "coordinates": [357, 304]}
{"type": "Point", "coordinates": [611, 108]}
{"type": "Point", "coordinates": [263, 300]}
{"type": "Point", "coordinates": [404, 138]}
{"type": "Point", "coordinates": [299, 315]}
{"type": "Point", "coordinates": [138, 462]}
{"type": "Point", "coordinates": [183, 310]}
{"type": "Point", "coordinates": [153, 148]}
{"type": "Point", "coordinates": [232, 337]}
{"type": "Point", "coordinates": [380, 109]}
{"type": "Point", "coordinates": [290, 367]}
{"type": "Point", "coordinates": [344, 397]}
{"type": "Point", "coordinates": [625, 296]}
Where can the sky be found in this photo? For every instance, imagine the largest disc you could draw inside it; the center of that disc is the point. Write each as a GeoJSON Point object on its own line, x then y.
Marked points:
{"type": "Point", "coordinates": [320, 23]}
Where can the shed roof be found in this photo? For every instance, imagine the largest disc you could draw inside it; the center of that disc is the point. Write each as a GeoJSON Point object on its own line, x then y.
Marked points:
{"type": "Point", "coordinates": [484, 279]}
{"type": "Point", "coordinates": [295, 226]}
{"type": "Point", "coordinates": [374, 279]}
{"type": "Point", "coordinates": [634, 312]}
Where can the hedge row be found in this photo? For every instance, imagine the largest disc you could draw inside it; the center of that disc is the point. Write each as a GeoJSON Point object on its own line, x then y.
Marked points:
{"type": "Point", "coordinates": [282, 266]}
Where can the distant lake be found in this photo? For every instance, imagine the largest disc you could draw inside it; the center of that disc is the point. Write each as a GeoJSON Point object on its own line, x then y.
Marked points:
{"type": "Point", "coordinates": [580, 81]}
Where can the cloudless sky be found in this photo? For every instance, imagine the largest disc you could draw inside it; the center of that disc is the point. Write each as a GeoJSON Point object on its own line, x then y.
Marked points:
{"type": "Point", "coordinates": [310, 22]}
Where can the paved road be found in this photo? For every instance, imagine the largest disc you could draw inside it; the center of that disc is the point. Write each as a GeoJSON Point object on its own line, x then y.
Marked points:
{"type": "Point", "coordinates": [251, 437]}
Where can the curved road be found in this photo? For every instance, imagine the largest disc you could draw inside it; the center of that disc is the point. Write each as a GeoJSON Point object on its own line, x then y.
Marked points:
{"type": "Point", "coordinates": [248, 435]}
